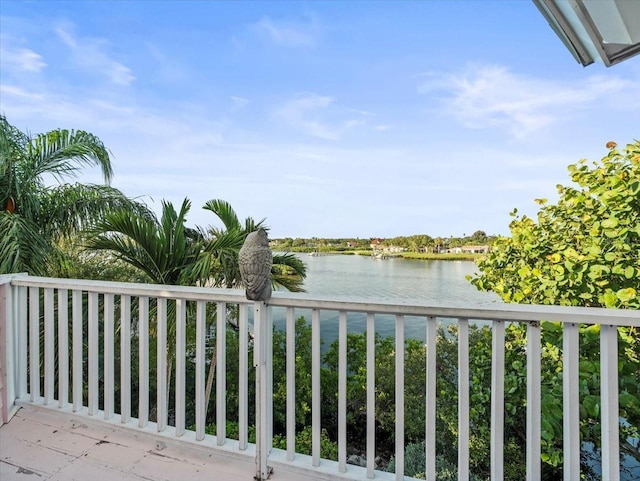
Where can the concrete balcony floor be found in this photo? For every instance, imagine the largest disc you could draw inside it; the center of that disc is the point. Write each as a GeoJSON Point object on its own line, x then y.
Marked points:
{"type": "Point", "coordinates": [39, 444]}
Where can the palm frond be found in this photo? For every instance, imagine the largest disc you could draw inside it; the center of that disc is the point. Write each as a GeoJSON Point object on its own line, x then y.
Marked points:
{"type": "Point", "coordinates": [251, 225]}
{"type": "Point", "coordinates": [70, 208]}
{"type": "Point", "coordinates": [42, 216]}
{"type": "Point", "coordinates": [131, 239]}
{"type": "Point", "coordinates": [292, 262]}
{"type": "Point", "coordinates": [223, 210]}
{"type": "Point", "coordinates": [12, 142]}
{"type": "Point", "coordinates": [288, 272]}
{"type": "Point", "coordinates": [22, 247]}
{"type": "Point", "coordinates": [162, 249]}
{"type": "Point", "coordinates": [63, 153]}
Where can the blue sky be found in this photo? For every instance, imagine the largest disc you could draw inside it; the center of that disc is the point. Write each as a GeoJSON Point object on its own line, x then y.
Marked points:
{"type": "Point", "coordinates": [329, 119]}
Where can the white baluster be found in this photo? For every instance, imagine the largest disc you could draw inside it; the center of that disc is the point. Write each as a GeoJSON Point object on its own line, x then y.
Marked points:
{"type": "Point", "coordinates": [125, 358]}
{"type": "Point", "coordinates": [463, 399]}
{"type": "Point", "coordinates": [49, 347]}
{"type": "Point", "coordinates": [221, 373]}
{"type": "Point", "coordinates": [109, 339]}
{"type": "Point", "coordinates": [94, 353]}
{"type": "Point", "coordinates": [181, 319]}
{"type": "Point", "coordinates": [534, 472]}
{"type": "Point", "coordinates": [143, 364]}
{"type": "Point", "coordinates": [342, 391]}
{"type": "Point", "coordinates": [497, 401]}
{"type": "Point", "coordinates": [63, 347]}
{"type": "Point", "coordinates": [399, 397]}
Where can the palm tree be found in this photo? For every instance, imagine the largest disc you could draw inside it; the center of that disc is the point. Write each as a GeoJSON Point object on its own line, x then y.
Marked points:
{"type": "Point", "coordinates": [164, 250]}
{"type": "Point", "coordinates": [34, 217]}
{"type": "Point", "coordinates": [287, 272]}
{"type": "Point", "coordinates": [168, 252]}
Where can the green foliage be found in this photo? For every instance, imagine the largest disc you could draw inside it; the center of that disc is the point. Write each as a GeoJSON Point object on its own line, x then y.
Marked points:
{"type": "Point", "coordinates": [75, 262]}
{"type": "Point", "coordinates": [417, 243]}
{"type": "Point", "coordinates": [35, 217]}
{"type": "Point", "coordinates": [328, 448]}
{"type": "Point", "coordinates": [446, 387]}
{"type": "Point", "coordinates": [584, 250]}
{"type": "Point", "coordinates": [385, 389]}
{"type": "Point", "coordinates": [302, 375]}
{"type": "Point", "coordinates": [232, 430]}
{"type": "Point", "coordinates": [164, 250]}
{"type": "Point", "coordinates": [449, 256]}
{"type": "Point", "coordinates": [415, 465]}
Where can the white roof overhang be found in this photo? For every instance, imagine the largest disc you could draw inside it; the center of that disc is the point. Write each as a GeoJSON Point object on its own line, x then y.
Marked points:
{"type": "Point", "coordinates": [595, 30]}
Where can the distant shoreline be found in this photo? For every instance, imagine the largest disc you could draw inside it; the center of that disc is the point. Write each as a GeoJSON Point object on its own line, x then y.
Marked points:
{"type": "Point", "coordinates": [426, 256]}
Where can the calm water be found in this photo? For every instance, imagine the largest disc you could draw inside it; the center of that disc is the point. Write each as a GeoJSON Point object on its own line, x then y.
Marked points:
{"type": "Point", "coordinates": [361, 278]}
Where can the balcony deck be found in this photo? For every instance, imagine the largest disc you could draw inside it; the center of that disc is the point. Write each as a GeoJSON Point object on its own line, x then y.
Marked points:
{"type": "Point", "coordinates": [42, 444]}
{"type": "Point", "coordinates": [65, 345]}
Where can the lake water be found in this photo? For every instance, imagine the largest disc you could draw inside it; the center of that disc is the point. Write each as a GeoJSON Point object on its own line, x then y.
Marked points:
{"type": "Point", "coordinates": [361, 278]}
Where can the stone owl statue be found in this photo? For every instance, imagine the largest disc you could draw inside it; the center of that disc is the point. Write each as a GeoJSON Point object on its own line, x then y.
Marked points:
{"type": "Point", "coordinates": [254, 260]}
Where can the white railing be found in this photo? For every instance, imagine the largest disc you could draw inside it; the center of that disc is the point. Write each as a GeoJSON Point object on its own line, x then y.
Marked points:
{"type": "Point", "coordinates": [52, 314]}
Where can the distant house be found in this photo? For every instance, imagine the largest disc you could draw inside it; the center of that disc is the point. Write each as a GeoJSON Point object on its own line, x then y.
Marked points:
{"type": "Point", "coordinates": [394, 249]}
{"type": "Point", "coordinates": [466, 250]}
{"type": "Point", "coordinates": [479, 249]}
{"type": "Point", "coordinates": [376, 244]}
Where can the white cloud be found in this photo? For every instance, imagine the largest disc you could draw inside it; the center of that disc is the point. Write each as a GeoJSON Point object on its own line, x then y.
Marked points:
{"type": "Point", "coordinates": [22, 59]}
{"type": "Point", "coordinates": [20, 94]}
{"type": "Point", "coordinates": [317, 115]}
{"type": "Point", "coordinates": [492, 96]}
{"type": "Point", "coordinates": [238, 103]}
{"type": "Point", "coordinates": [91, 54]}
{"type": "Point", "coordinates": [289, 34]}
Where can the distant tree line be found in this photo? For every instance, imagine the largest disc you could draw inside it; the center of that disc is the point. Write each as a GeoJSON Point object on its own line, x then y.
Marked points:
{"type": "Point", "coordinates": [412, 243]}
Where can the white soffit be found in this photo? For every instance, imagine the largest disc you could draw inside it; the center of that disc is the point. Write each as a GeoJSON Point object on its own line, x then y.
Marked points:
{"type": "Point", "coordinates": [602, 30]}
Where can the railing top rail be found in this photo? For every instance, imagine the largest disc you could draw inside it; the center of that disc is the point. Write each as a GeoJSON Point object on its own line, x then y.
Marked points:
{"type": "Point", "coordinates": [136, 289]}
{"type": "Point", "coordinates": [506, 312]}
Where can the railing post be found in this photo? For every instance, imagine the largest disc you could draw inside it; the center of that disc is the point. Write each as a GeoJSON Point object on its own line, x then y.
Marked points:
{"type": "Point", "coordinates": [6, 353]}
{"type": "Point", "coordinates": [260, 362]}
{"type": "Point", "coordinates": [13, 346]}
